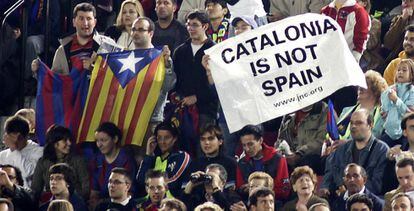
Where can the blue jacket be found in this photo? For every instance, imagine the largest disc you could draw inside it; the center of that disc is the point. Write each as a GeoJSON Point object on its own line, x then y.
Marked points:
{"type": "Point", "coordinates": [374, 166]}
{"type": "Point", "coordinates": [339, 204]}
{"type": "Point", "coordinates": [396, 110]}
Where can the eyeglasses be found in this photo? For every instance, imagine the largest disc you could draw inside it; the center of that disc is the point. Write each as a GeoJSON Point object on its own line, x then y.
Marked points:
{"type": "Point", "coordinates": [193, 26]}
{"type": "Point", "coordinates": [139, 30]}
{"type": "Point", "coordinates": [117, 182]}
{"type": "Point", "coordinates": [155, 188]}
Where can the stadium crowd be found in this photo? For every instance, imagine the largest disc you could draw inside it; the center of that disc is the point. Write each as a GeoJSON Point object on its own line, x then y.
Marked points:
{"type": "Point", "coordinates": [289, 163]}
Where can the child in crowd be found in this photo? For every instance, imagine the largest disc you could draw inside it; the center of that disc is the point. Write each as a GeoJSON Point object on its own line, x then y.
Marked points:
{"type": "Point", "coordinates": [396, 101]}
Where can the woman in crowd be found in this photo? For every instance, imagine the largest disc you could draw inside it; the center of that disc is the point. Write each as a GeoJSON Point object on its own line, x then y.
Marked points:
{"type": "Point", "coordinates": [108, 139]}
{"type": "Point", "coordinates": [304, 183]}
{"type": "Point", "coordinates": [58, 149]}
{"type": "Point", "coordinates": [396, 101]}
{"type": "Point", "coordinates": [370, 99]}
{"type": "Point", "coordinates": [121, 31]}
{"type": "Point", "coordinates": [161, 152]}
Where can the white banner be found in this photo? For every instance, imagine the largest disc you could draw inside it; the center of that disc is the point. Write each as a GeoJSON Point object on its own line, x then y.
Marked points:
{"type": "Point", "coordinates": [280, 68]}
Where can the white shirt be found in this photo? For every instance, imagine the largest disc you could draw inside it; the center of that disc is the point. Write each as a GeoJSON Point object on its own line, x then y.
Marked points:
{"type": "Point", "coordinates": [346, 195]}
{"type": "Point", "coordinates": [124, 202]}
{"type": "Point", "coordinates": [24, 159]}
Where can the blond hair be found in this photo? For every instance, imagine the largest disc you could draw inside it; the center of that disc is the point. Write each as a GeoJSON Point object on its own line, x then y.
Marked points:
{"type": "Point", "coordinates": [138, 8]}
{"type": "Point", "coordinates": [263, 176]}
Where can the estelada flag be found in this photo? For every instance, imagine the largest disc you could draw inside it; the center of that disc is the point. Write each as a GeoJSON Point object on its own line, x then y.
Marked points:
{"type": "Point", "coordinates": [124, 89]}
{"type": "Point", "coordinates": [59, 99]}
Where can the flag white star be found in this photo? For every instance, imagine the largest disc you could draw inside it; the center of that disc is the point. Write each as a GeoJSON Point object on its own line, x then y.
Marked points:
{"type": "Point", "coordinates": [129, 62]}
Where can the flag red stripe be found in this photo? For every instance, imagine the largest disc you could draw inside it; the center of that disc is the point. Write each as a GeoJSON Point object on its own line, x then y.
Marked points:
{"type": "Point", "coordinates": [130, 88]}
{"type": "Point", "coordinates": [93, 100]}
{"type": "Point", "coordinates": [49, 117]}
{"type": "Point", "coordinates": [67, 104]}
{"type": "Point", "coordinates": [110, 100]}
{"type": "Point", "coordinates": [142, 97]}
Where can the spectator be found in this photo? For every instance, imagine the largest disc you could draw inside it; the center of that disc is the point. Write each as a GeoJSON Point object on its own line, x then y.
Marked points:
{"type": "Point", "coordinates": [208, 206]}
{"type": "Point", "coordinates": [142, 33]}
{"type": "Point", "coordinates": [260, 157]}
{"type": "Point", "coordinates": [359, 202]}
{"type": "Point", "coordinates": [304, 131]}
{"type": "Point", "coordinates": [214, 181]}
{"type": "Point", "coordinates": [407, 53]}
{"type": "Point", "coordinates": [304, 183]}
{"type": "Point", "coordinates": [119, 185]}
{"type": "Point", "coordinates": [78, 50]}
{"type": "Point", "coordinates": [220, 28]}
{"type": "Point", "coordinates": [394, 38]}
{"type": "Point", "coordinates": [156, 185]}
{"type": "Point", "coordinates": [21, 153]}
{"type": "Point", "coordinates": [242, 24]}
{"type": "Point", "coordinates": [405, 176]}
{"type": "Point", "coordinates": [60, 205]}
{"type": "Point", "coordinates": [354, 22]}
{"type": "Point", "coordinates": [172, 205]}
{"type": "Point", "coordinates": [192, 83]}
{"type": "Point", "coordinates": [162, 155]}
{"type": "Point", "coordinates": [62, 186]}
{"type": "Point", "coordinates": [168, 31]}
{"type": "Point", "coordinates": [319, 207]}
{"type": "Point", "coordinates": [398, 152]}
{"type": "Point", "coordinates": [187, 7]}
{"type": "Point", "coordinates": [371, 58]}
{"type": "Point", "coordinates": [108, 140]}
{"type": "Point", "coordinates": [58, 149]}
{"type": "Point", "coordinates": [11, 187]}
{"type": "Point", "coordinates": [121, 31]}
{"type": "Point", "coordinates": [30, 115]}
{"type": "Point", "coordinates": [354, 181]}
{"type": "Point", "coordinates": [262, 199]}
{"type": "Point", "coordinates": [363, 149]}
{"type": "Point", "coordinates": [396, 101]}
{"type": "Point", "coordinates": [211, 142]}
{"type": "Point", "coordinates": [256, 179]}
{"type": "Point", "coordinates": [369, 99]}
{"type": "Point", "coordinates": [6, 205]}
{"type": "Point", "coordinates": [402, 201]}
{"type": "Point", "coordinates": [285, 8]}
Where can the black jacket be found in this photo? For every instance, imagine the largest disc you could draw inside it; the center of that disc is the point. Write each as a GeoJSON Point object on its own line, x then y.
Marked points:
{"type": "Point", "coordinates": [192, 78]}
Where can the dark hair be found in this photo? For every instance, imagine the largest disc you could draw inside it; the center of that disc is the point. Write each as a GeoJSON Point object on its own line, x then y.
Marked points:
{"type": "Point", "coordinates": [405, 162]}
{"type": "Point", "coordinates": [223, 172]}
{"type": "Point", "coordinates": [54, 134]}
{"type": "Point", "coordinates": [408, 116]}
{"type": "Point", "coordinates": [367, 113]}
{"type": "Point", "coordinates": [124, 172]}
{"type": "Point", "coordinates": [213, 129]}
{"type": "Point", "coordinates": [166, 125]}
{"type": "Point", "coordinates": [151, 24]}
{"type": "Point", "coordinates": [254, 130]}
{"type": "Point", "coordinates": [174, 203]}
{"type": "Point", "coordinates": [359, 198]}
{"type": "Point", "coordinates": [17, 124]}
{"type": "Point", "coordinates": [399, 195]}
{"type": "Point", "coordinates": [173, 1]}
{"type": "Point", "coordinates": [363, 172]}
{"type": "Point", "coordinates": [84, 7]}
{"type": "Point", "coordinates": [111, 129]}
{"type": "Point", "coordinates": [259, 192]}
{"type": "Point", "coordinates": [151, 174]}
{"type": "Point", "coordinates": [200, 16]}
{"type": "Point", "coordinates": [67, 172]}
{"type": "Point", "coordinates": [222, 3]}
{"type": "Point", "coordinates": [409, 28]}
{"type": "Point", "coordinates": [19, 177]}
